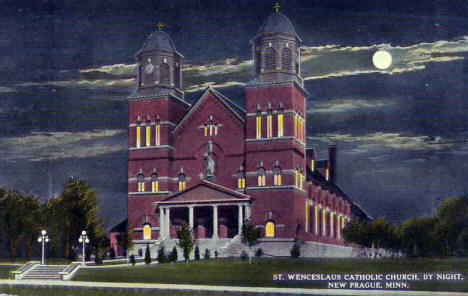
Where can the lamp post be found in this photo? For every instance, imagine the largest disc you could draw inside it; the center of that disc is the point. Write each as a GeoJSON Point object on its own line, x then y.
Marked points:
{"type": "Point", "coordinates": [85, 240]}
{"type": "Point", "coordinates": [43, 238]}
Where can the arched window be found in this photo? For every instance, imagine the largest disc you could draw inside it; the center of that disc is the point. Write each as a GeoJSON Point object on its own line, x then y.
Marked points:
{"type": "Point", "coordinates": [138, 135]}
{"type": "Point", "coordinates": [299, 177]}
{"type": "Point", "coordinates": [154, 183]}
{"type": "Point", "coordinates": [261, 177]}
{"type": "Point", "coordinates": [270, 229]}
{"type": "Point", "coordinates": [147, 232]}
{"type": "Point", "coordinates": [182, 182]}
{"type": "Point", "coordinates": [148, 134]}
{"type": "Point", "coordinates": [280, 123]}
{"type": "Point", "coordinates": [269, 124]}
{"type": "Point", "coordinates": [164, 74]}
{"type": "Point", "coordinates": [141, 182]}
{"type": "Point", "coordinates": [240, 180]}
{"type": "Point", "coordinates": [270, 59]}
{"type": "Point", "coordinates": [259, 125]}
{"type": "Point", "coordinates": [286, 56]}
{"type": "Point", "coordinates": [277, 177]}
{"type": "Point", "coordinates": [157, 134]}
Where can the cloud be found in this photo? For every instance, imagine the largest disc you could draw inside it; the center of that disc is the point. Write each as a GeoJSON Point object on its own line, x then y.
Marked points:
{"type": "Point", "coordinates": [345, 105]}
{"type": "Point", "coordinates": [4, 89]}
{"type": "Point", "coordinates": [396, 141]}
{"type": "Point", "coordinates": [198, 87]}
{"type": "Point", "coordinates": [38, 146]}
{"type": "Point", "coordinates": [116, 69]}
{"type": "Point", "coordinates": [83, 83]}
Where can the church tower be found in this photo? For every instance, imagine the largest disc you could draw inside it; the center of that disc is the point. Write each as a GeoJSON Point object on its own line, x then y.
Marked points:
{"type": "Point", "coordinates": [155, 107]}
{"type": "Point", "coordinates": [275, 130]}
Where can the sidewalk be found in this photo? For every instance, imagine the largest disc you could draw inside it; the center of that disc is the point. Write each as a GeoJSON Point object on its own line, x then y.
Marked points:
{"type": "Point", "coordinates": [252, 290]}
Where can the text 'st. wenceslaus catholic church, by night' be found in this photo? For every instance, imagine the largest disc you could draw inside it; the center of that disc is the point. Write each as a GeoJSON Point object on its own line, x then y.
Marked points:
{"type": "Point", "coordinates": [215, 164]}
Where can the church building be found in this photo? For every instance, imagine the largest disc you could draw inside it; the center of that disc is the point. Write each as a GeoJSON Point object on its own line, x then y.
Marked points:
{"type": "Point", "coordinates": [218, 163]}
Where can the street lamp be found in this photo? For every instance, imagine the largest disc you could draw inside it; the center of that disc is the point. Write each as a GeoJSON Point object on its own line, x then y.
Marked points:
{"type": "Point", "coordinates": [43, 238]}
{"type": "Point", "coordinates": [85, 240]}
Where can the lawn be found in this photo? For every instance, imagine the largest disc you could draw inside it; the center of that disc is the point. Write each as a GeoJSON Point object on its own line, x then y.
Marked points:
{"type": "Point", "coordinates": [259, 273]}
{"type": "Point", "coordinates": [5, 271]}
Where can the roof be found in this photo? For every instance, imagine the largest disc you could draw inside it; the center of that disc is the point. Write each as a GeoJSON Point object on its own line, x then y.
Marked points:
{"type": "Point", "coordinates": [277, 23]}
{"type": "Point", "coordinates": [121, 227]}
{"type": "Point", "coordinates": [235, 109]}
{"type": "Point", "coordinates": [205, 192]}
{"type": "Point", "coordinates": [158, 40]}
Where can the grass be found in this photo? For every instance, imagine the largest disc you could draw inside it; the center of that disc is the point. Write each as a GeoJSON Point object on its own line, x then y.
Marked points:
{"type": "Point", "coordinates": [259, 273]}
{"type": "Point", "coordinates": [5, 271]}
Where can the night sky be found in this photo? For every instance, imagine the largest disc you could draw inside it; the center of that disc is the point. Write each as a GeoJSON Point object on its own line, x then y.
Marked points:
{"type": "Point", "coordinates": [66, 68]}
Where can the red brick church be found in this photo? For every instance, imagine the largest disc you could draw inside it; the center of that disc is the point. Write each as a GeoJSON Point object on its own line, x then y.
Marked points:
{"type": "Point", "coordinates": [219, 162]}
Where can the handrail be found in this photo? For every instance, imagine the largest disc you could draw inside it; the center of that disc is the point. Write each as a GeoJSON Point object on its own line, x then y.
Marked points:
{"type": "Point", "coordinates": [25, 267]}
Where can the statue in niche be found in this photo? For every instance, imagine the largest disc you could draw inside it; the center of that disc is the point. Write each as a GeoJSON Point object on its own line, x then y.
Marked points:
{"type": "Point", "coordinates": [209, 161]}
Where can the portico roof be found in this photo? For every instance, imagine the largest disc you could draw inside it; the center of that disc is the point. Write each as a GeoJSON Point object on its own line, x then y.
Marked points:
{"type": "Point", "coordinates": [205, 193]}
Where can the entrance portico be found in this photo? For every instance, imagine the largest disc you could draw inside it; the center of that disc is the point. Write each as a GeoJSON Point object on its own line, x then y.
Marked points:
{"type": "Point", "coordinates": [212, 211]}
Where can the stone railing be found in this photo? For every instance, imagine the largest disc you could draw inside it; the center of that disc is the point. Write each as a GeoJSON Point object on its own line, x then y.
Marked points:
{"type": "Point", "coordinates": [70, 270]}
{"type": "Point", "coordinates": [20, 272]}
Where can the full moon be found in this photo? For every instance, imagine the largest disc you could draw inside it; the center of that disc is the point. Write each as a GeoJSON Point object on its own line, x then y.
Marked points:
{"type": "Point", "coordinates": [382, 59]}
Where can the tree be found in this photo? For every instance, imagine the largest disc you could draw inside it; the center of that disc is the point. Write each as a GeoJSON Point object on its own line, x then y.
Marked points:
{"type": "Point", "coordinates": [452, 218]}
{"type": "Point", "coordinates": [295, 250]}
{"type": "Point", "coordinates": [125, 241]}
{"type": "Point", "coordinates": [419, 237]}
{"type": "Point", "coordinates": [186, 241]}
{"type": "Point", "coordinates": [132, 259]}
{"type": "Point", "coordinates": [207, 254]}
{"type": "Point", "coordinates": [259, 253]}
{"type": "Point", "coordinates": [162, 258]}
{"type": "Point", "coordinates": [197, 253]}
{"type": "Point", "coordinates": [250, 236]}
{"type": "Point", "coordinates": [147, 254]}
{"type": "Point", "coordinates": [112, 253]}
{"type": "Point", "coordinates": [173, 255]}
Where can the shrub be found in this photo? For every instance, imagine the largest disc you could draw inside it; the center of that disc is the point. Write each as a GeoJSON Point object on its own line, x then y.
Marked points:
{"type": "Point", "coordinates": [98, 259]}
{"type": "Point", "coordinates": [112, 253]}
{"type": "Point", "coordinates": [132, 259]}
{"type": "Point", "coordinates": [197, 253]}
{"type": "Point", "coordinates": [295, 251]}
{"type": "Point", "coordinates": [259, 252]}
{"type": "Point", "coordinates": [173, 255]}
{"type": "Point", "coordinates": [147, 255]}
{"type": "Point", "coordinates": [162, 258]}
{"type": "Point", "coordinates": [140, 252]}
{"type": "Point", "coordinates": [216, 254]}
{"type": "Point", "coordinates": [207, 254]}
{"type": "Point", "coordinates": [244, 256]}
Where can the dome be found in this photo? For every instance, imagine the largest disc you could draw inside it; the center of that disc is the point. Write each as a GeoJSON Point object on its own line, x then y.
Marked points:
{"type": "Point", "coordinates": [277, 23]}
{"type": "Point", "coordinates": [158, 40]}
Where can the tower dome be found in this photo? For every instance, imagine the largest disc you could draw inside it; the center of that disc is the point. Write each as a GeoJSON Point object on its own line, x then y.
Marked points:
{"type": "Point", "coordinates": [158, 40]}
{"type": "Point", "coordinates": [277, 23]}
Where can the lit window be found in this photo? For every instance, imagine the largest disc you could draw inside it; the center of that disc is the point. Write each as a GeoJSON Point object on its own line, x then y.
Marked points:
{"type": "Point", "coordinates": [182, 182]}
{"type": "Point", "coordinates": [138, 136]}
{"type": "Point", "coordinates": [148, 134]}
{"type": "Point", "coordinates": [269, 125]}
{"type": "Point", "coordinates": [261, 177]}
{"type": "Point", "coordinates": [154, 183]}
{"type": "Point", "coordinates": [280, 125]}
{"type": "Point", "coordinates": [259, 126]}
{"type": "Point", "coordinates": [270, 229]}
{"type": "Point", "coordinates": [240, 180]}
{"type": "Point", "coordinates": [157, 134]}
{"type": "Point", "coordinates": [295, 125]}
{"type": "Point", "coordinates": [146, 232]}
{"type": "Point", "coordinates": [277, 177]}
{"type": "Point", "coordinates": [141, 182]}
{"type": "Point", "coordinates": [210, 129]}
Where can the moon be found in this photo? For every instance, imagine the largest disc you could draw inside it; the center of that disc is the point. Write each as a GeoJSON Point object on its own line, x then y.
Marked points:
{"type": "Point", "coordinates": [382, 59]}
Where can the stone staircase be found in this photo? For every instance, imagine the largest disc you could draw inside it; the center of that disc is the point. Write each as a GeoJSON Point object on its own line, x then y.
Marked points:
{"type": "Point", "coordinates": [44, 272]}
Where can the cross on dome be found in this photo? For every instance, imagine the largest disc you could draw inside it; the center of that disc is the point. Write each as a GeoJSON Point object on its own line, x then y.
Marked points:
{"type": "Point", "coordinates": [160, 26]}
{"type": "Point", "coordinates": [277, 7]}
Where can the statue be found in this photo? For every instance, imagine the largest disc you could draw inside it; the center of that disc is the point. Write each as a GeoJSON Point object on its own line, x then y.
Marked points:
{"type": "Point", "coordinates": [209, 161]}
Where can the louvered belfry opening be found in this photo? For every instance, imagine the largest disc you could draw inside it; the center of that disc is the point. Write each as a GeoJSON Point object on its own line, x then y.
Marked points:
{"type": "Point", "coordinates": [258, 64]}
{"type": "Point", "coordinates": [270, 59]}
{"type": "Point", "coordinates": [164, 74]}
{"type": "Point", "coordinates": [286, 57]}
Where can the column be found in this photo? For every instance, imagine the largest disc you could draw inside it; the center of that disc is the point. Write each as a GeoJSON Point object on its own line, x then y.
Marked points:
{"type": "Point", "coordinates": [168, 223]}
{"type": "Point", "coordinates": [215, 222]}
{"type": "Point", "coordinates": [248, 212]}
{"type": "Point", "coordinates": [161, 223]}
{"type": "Point", "coordinates": [191, 218]}
{"type": "Point", "coordinates": [241, 220]}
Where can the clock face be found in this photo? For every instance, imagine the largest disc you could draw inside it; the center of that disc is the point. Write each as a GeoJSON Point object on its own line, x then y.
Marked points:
{"type": "Point", "coordinates": [148, 69]}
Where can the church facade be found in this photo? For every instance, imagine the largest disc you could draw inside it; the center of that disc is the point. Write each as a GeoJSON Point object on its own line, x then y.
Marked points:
{"type": "Point", "coordinates": [218, 163]}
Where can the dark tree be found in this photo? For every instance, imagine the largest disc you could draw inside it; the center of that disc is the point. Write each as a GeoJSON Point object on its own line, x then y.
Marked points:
{"type": "Point", "coordinates": [173, 255]}
{"type": "Point", "coordinates": [132, 259]}
{"type": "Point", "coordinates": [147, 254]}
{"type": "Point", "coordinates": [207, 254]}
{"type": "Point", "coordinates": [197, 253]}
{"type": "Point", "coordinates": [259, 252]}
{"type": "Point", "coordinates": [295, 250]}
{"type": "Point", "coordinates": [186, 241]}
{"type": "Point", "coordinates": [250, 236]}
{"type": "Point", "coordinates": [162, 258]}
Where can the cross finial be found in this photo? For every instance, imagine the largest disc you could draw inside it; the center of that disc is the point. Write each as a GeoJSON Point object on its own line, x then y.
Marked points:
{"type": "Point", "coordinates": [276, 7]}
{"type": "Point", "coordinates": [160, 26]}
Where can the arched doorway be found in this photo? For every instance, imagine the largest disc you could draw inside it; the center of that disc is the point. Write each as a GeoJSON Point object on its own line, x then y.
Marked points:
{"type": "Point", "coordinates": [270, 229]}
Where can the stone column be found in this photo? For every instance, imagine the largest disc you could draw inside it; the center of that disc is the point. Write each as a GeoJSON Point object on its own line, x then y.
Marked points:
{"type": "Point", "coordinates": [191, 218]}
{"type": "Point", "coordinates": [248, 212]}
{"type": "Point", "coordinates": [215, 222]}
{"type": "Point", "coordinates": [168, 223]}
{"type": "Point", "coordinates": [241, 220]}
{"type": "Point", "coordinates": [161, 223]}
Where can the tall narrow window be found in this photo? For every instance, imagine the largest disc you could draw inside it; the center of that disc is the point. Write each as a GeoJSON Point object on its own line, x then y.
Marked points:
{"type": "Point", "coordinates": [138, 136]}
{"type": "Point", "coordinates": [148, 134]}
{"type": "Point", "coordinates": [154, 183]}
{"type": "Point", "coordinates": [259, 125]}
{"type": "Point", "coordinates": [280, 124]}
{"type": "Point", "coordinates": [269, 124]}
{"type": "Point", "coordinates": [182, 182]}
{"type": "Point", "coordinates": [270, 229]}
{"type": "Point", "coordinates": [164, 74]}
{"type": "Point", "coordinates": [261, 177]}
{"type": "Point", "coordinates": [295, 125]}
{"type": "Point", "coordinates": [157, 134]}
{"type": "Point", "coordinates": [146, 232]}
{"type": "Point", "coordinates": [286, 59]}
{"type": "Point", "coordinates": [277, 177]}
{"type": "Point", "coordinates": [211, 129]}
{"type": "Point", "coordinates": [296, 178]}
{"type": "Point", "coordinates": [141, 182]}
{"type": "Point", "coordinates": [240, 180]}
{"type": "Point", "coordinates": [270, 59]}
